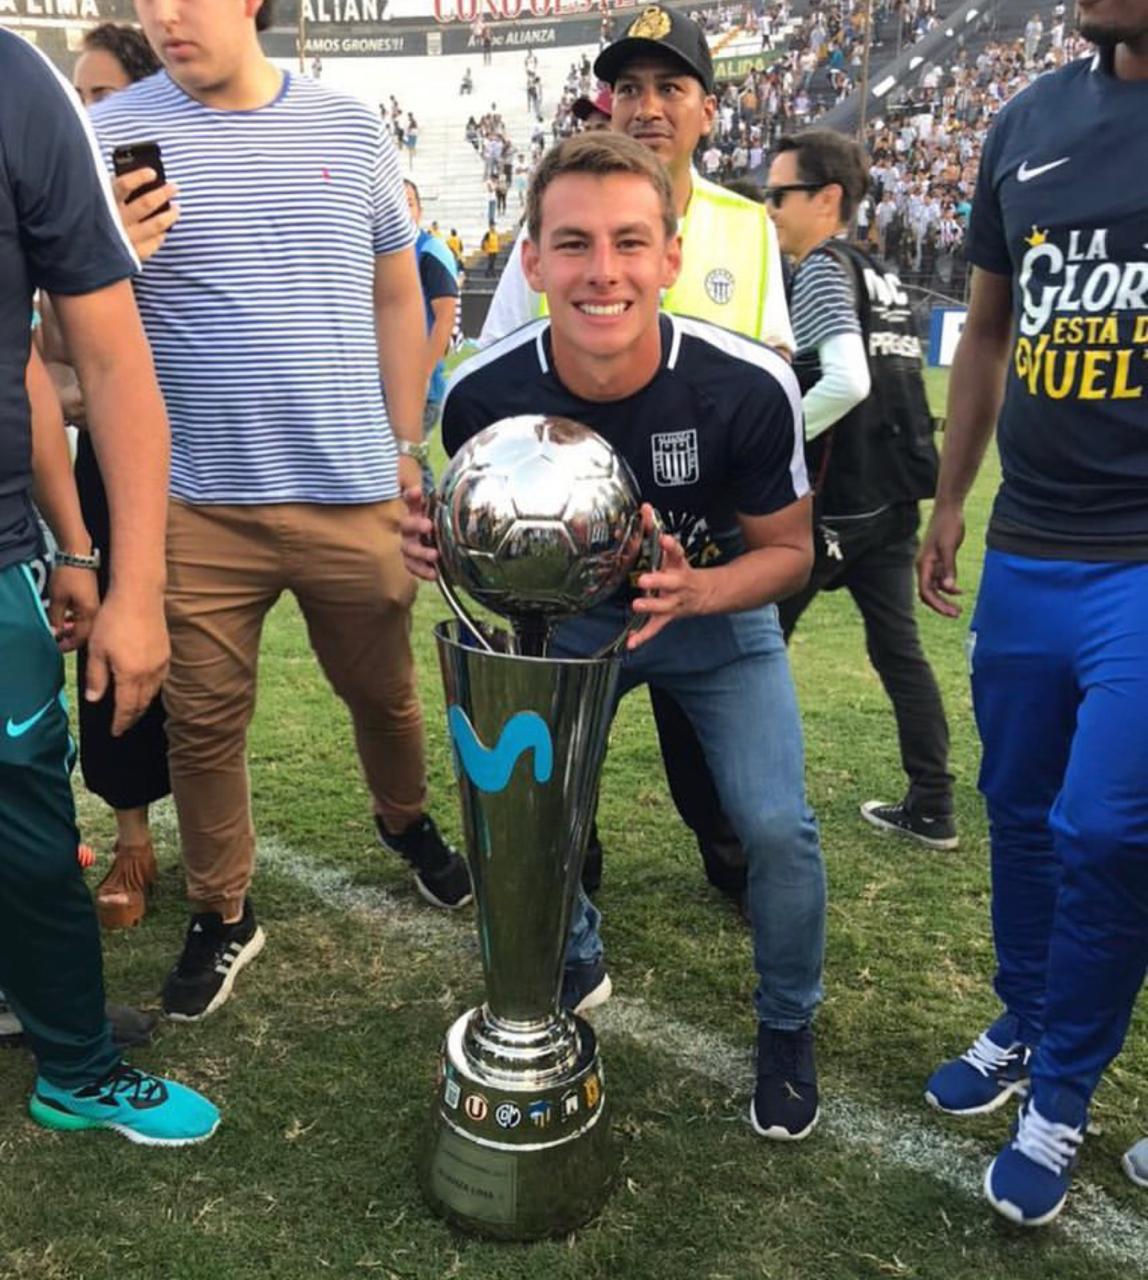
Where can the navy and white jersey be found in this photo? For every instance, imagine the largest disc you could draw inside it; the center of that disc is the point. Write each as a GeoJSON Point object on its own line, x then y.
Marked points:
{"type": "Point", "coordinates": [259, 305]}
{"type": "Point", "coordinates": [59, 232]}
{"type": "Point", "coordinates": [716, 433]}
{"type": "Point", "coordinates": [1062, 208]}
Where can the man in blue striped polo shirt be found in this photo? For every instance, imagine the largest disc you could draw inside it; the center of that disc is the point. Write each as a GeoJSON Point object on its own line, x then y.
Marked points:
{"type": "Point", "coordinates": [291, 251]}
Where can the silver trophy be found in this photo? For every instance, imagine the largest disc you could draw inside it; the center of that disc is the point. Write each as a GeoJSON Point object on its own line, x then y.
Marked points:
{"type": "Point", "coordinates": [537, 519]}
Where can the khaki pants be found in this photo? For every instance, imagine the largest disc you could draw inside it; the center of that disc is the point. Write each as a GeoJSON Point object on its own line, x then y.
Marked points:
{"type": "Point", "coordinates": [227, 565]}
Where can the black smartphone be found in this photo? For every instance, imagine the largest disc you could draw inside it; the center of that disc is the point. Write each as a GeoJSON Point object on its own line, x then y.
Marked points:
{"type": "Point", "coordinates": [141, 155]}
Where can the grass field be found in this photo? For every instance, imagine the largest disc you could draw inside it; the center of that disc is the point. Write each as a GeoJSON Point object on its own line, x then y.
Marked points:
{"type": "Point", "coordinates": [323, 1062]}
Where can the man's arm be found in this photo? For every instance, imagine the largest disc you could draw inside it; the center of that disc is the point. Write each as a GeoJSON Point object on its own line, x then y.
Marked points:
{"type": "Point", "coordinates": [444, 310]}
{"type": "Point", "coordinates": [775, 328]}
{"type": "Point", "coordinates": [844, 383]}
{"type": "Point", "coordinates": [777, 564]}
{"type": "Point", "coordinates": [514, 303]}
{"type": "Point", "coordinates": [400, 322]}
{"type": "Point", "coordinates": [73, 594]}
{"type": "Point", "coordinates": [128, 425]}
{"type": "Point", "coordinates": [976, 389]}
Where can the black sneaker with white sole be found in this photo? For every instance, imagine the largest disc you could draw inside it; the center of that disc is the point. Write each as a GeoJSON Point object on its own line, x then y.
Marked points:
{"type": "Point", "coordinates": [440, 874]}
{"type": "Point", "coordinates": [785, 1102]}
{"type": "Point", "coordinates": [937, 832]}
{"type": "Point", "coordinates": [213, 954]}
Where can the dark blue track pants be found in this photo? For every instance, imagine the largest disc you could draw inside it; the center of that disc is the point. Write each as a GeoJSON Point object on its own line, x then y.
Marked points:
{"type": "Point", "coordinates": [1059, 660]}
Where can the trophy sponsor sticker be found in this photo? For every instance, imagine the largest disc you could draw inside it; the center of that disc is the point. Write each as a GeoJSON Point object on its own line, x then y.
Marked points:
{"type": "Point", "coordinates": [570, 1104]}
{"type": "Point", "coordinates": [592, 1088]}
{"type": "Point", "coordinates": [452, 1094]}
{"type": "Point", "coordinates": [507, 1115]}
{"type": "Point", "coordinates": [540, 1113]}
{"type": "Point", "coordinates": [476, 1106]}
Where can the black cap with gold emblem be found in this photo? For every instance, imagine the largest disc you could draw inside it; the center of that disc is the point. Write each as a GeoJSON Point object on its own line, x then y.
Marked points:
{"type": "Point", "coordinates": [658, 29]}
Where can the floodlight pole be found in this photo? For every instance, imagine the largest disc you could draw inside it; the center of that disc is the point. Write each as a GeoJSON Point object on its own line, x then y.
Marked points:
{"type": "Point", "coordinates": [863, 118]}
{"type": "Point", "coordinates": [302, 36]}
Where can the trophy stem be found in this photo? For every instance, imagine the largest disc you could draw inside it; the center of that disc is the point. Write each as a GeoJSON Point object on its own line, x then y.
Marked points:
{"type": "Point", "coordinates": [519, 1146]}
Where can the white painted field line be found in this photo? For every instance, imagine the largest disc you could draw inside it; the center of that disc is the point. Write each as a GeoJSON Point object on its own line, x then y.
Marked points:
{"type": "Point", "coordinates": [1091, 1221]}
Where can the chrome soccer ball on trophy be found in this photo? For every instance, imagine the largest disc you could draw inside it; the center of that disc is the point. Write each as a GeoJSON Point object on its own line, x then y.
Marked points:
{"type": "Point", "coordinates": [538, 517]}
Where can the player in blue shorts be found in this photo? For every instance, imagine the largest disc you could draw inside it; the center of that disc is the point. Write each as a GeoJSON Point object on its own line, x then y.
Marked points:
{"type": "Point", "coordinates": [1058, 325]}
{"type": "Point", "coordinates": [710, 423]}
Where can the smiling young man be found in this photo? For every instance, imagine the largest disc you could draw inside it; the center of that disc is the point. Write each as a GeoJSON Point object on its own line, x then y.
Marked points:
{"type": "Point", "coordinates": [662, 78]}
{"type": "Point", "coordinates": [710, 423]}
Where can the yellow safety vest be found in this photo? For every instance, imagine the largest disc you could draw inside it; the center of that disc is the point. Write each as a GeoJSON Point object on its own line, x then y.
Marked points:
{"type": "Point", "coordinates": [725, 261]}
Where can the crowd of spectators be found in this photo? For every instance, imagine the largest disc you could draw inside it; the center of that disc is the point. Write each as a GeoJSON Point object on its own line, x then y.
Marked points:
{"type": "Point", "coordinates": [924, 151]}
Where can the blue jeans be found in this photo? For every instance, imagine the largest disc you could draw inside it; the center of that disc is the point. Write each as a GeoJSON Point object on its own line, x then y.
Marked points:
{"type": "Point", "coordinates": [730, 675]}
{"type": "Point", "coordinates": [1060, 688]}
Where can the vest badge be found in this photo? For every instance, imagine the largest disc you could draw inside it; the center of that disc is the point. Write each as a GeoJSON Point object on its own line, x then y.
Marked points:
{"type": "Point", "coordinates": [719, 286]}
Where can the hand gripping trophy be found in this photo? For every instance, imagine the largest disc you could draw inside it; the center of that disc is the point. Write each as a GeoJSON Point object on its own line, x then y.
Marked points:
{"type": "Point", "coordinates": [536, 519]}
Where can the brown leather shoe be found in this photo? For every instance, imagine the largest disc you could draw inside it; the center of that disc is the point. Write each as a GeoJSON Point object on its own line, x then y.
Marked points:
{"type": "Point", "coordinates": [121, 896]}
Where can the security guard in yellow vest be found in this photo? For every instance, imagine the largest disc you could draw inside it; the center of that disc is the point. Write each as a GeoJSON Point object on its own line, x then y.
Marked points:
{"type": "Point", "coordinates": [662, 78]}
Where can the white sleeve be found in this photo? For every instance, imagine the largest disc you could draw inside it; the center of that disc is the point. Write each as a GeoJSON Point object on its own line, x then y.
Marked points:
{"type": "Point", "coordinates": [843, 384]}
{"type": "Point", "coordinates": [514, 303]}
{"type": "Point", "coordinates": [775, 327]}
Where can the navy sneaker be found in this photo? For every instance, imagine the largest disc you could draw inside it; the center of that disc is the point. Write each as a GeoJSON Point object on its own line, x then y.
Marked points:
{"type": "Point", "coordinates": [785, 1102]}
{"type": "Point", "coordinates": [1028, 1181]}
{"type": "Point", "coordinates": [440, 874]}
{"type": "Point", "coordinates": [585, 986]}
{"type": "Point", "coordinates": [141, 1107]}
{"type": "Point", "coordinates": [986, 1075]}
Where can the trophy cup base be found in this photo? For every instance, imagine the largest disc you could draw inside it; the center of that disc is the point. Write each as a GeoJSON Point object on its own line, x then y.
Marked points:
{"type": "Point", "coordinates": [521, 1162]}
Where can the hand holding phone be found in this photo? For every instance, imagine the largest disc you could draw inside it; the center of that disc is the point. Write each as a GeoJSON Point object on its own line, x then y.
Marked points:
{"type": "Point", "coordinates": [141, 155]}
{"type": "Point", "coordinates": [144, 196]}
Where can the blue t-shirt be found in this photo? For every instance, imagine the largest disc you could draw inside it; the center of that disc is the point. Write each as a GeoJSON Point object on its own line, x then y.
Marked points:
{"type": "Point", "coordinates": [260, 305]}
{"type": "Point", "coordinates": [58, 232]}
{"type": "Point", "coordinates": [717, 432]}
{"type": "Point", "coordinates": [1062, 207]}
{"type": "Point", "coordinates": [439, 278]}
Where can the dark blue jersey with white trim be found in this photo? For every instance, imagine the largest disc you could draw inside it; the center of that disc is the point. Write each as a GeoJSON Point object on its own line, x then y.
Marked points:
{"type": "Point", "coordinates": [1062, 208]}
{"type": "Point", "coordinates": [58, 231]}
{"type": "Point", "coordinates": [716, 433]}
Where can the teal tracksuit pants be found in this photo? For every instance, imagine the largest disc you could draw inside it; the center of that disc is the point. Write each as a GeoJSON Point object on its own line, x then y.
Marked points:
{"type": "Point", "coordinates": [50, 964]}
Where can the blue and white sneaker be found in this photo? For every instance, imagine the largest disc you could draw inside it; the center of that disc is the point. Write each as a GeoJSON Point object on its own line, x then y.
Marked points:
{"type": "Point", "coordinates": [585, 986]}
{"type": "Point", "coordinates": [1135, 1162]}
{"type": "Point", "coordinates": [143, 1108]}
{"type": "Point", "coordinates": [1028, 1181]}
{"type": "Point", "coordinates": [986, 1075]}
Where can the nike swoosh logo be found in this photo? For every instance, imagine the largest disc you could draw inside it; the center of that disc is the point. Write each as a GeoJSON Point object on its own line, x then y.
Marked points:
{"type": "Point", "coordinates": [489, 768]}
{"type": "Point", "coordinates": [18, 728]}
{"type": "Point", "coordinates": [1025, 174]}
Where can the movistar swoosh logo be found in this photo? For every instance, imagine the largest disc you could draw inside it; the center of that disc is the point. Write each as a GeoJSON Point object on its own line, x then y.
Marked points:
{"type": "Point", "coordinates": [18, 728]}
{"type": "Point", "coordinates": [1025, 174]}
{"type": "Point", "coordinates": [489, 768]}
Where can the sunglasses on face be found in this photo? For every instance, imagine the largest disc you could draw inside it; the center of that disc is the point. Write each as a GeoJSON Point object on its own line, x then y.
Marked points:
{"type": "Point", "coordinates": [776, 195]}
